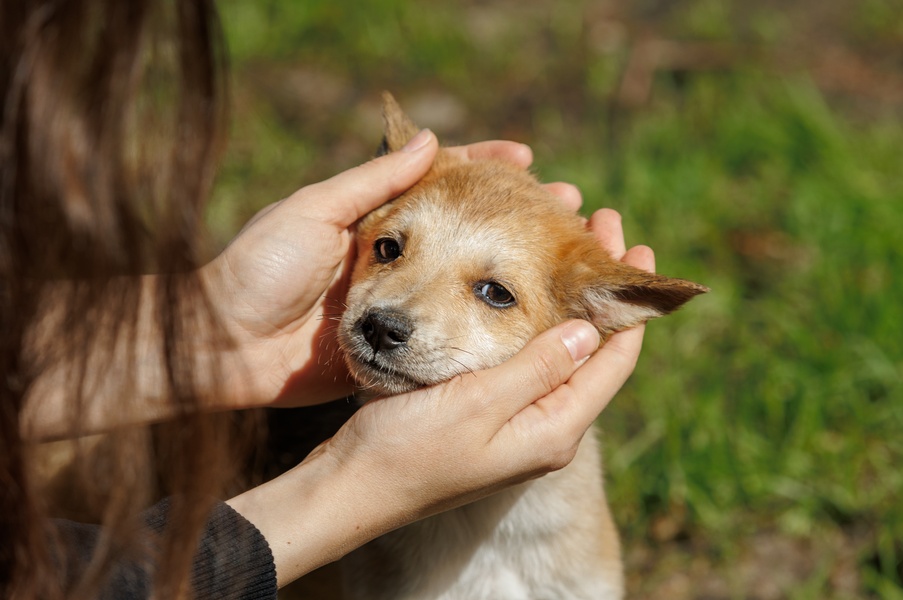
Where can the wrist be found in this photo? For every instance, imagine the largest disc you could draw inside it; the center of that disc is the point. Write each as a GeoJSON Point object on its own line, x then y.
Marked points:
{"type": "Point", "coordinates": [319, 511]}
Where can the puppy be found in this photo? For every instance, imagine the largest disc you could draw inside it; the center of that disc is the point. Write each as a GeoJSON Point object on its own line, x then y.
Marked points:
{"type": "Point", "coordinates": [455, 275]}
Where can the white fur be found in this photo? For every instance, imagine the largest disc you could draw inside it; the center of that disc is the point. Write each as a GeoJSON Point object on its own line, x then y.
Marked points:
{"type": "Point", "coordinates": [609, 309]}
{"type": "Point", "coordinates": [522, 544]}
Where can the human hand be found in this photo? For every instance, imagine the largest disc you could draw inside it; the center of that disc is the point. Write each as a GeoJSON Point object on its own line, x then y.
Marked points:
{"type": "Point", "coordinates": [449, 444]}
{"type": "Point", "coordinates": [402, 458]}
{"type": "Point", "coordinates": [279, 285]}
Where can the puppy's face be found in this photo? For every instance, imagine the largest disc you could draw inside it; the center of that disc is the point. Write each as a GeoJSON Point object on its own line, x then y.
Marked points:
{"type": "Point", "coordinates": [459, 273]}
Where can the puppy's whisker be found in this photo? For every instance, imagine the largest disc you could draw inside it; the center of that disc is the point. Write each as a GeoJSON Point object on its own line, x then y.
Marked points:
{"type": "Point", "coordinates": [334, 301]}
{"type": "Point", "coordinates": [466, 368]}
{"type": "Point", "coordinates": [462, 350]}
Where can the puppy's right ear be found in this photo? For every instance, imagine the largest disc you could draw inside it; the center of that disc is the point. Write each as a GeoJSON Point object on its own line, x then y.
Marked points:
{"type": "Point", "coordinates": [615, 296]}
{"type": "Point", "coordinates": [399, 129]}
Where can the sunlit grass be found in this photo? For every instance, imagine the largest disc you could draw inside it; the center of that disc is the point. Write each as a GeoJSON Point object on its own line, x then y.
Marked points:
{"type": "Point", "coordinates": [777, 400]}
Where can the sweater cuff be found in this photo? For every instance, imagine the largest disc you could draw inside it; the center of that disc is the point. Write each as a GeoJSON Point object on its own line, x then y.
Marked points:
{"type": "Point", "coordinates": [233, 560]}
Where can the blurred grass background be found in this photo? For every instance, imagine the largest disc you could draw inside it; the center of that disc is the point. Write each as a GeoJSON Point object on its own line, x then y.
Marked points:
{"type": "Point", "coordinates": [757, 147]}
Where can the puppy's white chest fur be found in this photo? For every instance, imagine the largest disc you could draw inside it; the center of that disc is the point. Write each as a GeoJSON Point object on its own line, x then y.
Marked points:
{"type": "Point", "coordinates": [548, 539]}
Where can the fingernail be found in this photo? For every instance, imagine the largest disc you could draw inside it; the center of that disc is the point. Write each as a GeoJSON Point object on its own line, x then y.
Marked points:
{"type": "Point", "coordinates": [581, 339]}
{"type": "Point", "coordinates": [418, 141]}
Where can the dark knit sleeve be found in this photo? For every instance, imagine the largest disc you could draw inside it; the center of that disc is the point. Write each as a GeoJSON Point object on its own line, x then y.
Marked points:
{"type": "Point", "coordinates": [233, 560]}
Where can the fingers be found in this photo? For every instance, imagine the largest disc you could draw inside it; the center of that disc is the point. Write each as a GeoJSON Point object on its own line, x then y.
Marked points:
{"type": "Point", "coordinates": [569, 194]}
{"type": "Point", "coordinates": [346, 197]}
{"type": "Point", "coordinates": [540, 367]}
{"type": "Point", "coordinates": [603, 375]}
{"type": "Point", "coordinates": [641, 257]}
{"type": "Point", "coordinates": [572, 407]}
{"type": "Point", "coordinates": [518, 154]}
{"type": "Point", "coordinates": [597, 382]}
{"type": "Point", "coordinates": [606, 226]}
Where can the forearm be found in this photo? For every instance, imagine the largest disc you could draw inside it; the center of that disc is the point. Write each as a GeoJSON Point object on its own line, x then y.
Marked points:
{"type": "Point", "coordinates": [112, 367]}
{"type": "Point", "coordinates": [319, 511]}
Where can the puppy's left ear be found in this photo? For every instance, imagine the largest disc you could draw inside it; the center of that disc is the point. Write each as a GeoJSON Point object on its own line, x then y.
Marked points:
{"type": "Point", "coordinates": [398, 128]}
{"type": "Point", "coordinates": [615, 296]}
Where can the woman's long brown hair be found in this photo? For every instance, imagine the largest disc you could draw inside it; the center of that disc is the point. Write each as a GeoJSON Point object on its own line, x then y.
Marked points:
{"type": "Point", "coordinates": [109, 131]}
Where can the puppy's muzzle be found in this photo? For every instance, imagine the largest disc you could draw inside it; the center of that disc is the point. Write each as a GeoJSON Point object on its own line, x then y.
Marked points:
{"type": "Point", "coordinates": [385, 330]}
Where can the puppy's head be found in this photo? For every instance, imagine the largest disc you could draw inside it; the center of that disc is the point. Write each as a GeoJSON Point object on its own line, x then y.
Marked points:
{"type": "Point", "coordinates": [461, 271]}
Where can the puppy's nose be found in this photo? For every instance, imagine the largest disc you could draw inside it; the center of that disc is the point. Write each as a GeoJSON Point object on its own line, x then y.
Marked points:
{"type": "Point", "coordinates": [385, 331]}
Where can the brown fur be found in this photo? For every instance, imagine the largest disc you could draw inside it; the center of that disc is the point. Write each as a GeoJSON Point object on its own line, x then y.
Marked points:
{"type": "Point", "coordinates": [421, 315]}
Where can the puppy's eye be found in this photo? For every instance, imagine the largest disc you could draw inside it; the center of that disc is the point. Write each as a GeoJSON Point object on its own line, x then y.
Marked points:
{"type": "Point", "coordinates": [386, 250]}
{"type": "Point", "coordinates": [494, 294]}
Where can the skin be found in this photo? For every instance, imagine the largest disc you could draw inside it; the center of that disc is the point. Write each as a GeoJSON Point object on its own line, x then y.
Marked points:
{"type": "Point", "coordinates": [406, 457]}
{"type": "Point", "coordinates": [275, 307]}
{"type": "Point", "coordinates": [398, 459]}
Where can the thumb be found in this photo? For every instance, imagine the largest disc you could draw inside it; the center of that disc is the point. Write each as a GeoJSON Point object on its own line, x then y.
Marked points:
{"type": "Point", "coordinates": [348, 196]}
{"type": "Point", "coordinates": [544, 364]}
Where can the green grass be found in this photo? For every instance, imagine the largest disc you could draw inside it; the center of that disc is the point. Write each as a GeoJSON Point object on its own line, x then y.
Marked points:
{"type": "Point", "coordinates": [771, 406]}
{"type": "Point", "coordinates": [777, 400]}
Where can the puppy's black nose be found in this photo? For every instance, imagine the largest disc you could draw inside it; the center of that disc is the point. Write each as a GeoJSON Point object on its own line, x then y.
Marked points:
{"type": "Point", "coordinates": [384, 330]}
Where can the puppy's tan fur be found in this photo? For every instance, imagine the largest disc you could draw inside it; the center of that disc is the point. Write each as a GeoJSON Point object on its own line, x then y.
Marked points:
{"type": "Point", "coordinates": [458, 274]}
